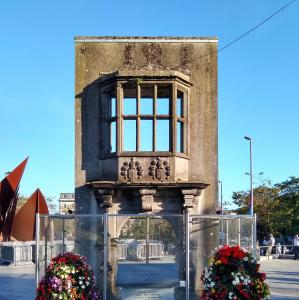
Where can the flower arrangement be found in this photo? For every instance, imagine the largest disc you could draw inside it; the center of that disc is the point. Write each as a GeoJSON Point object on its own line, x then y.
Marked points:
{"type": "Point", "coordinates": [68, 277]}
{"type": "Point", "coordinates": [233, 273]}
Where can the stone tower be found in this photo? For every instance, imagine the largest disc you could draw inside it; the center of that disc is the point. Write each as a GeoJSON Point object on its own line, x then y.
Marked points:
{"type": "Point", "coordinates": [146, 126]}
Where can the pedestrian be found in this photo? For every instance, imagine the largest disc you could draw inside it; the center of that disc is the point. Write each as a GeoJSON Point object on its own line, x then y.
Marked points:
{"type": "Point", "coordinates": [296, 246]}
{"type": "Point", "coordinates": [264, 244]}
{"type": "Point", "coordinates": [270, 243]}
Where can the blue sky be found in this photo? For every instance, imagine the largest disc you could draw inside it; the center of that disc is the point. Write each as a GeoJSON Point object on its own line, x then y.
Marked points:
{"type": "Point", "coordinates": [258, 81]}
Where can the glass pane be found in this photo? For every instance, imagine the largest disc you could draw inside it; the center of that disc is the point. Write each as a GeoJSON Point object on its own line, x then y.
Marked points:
{"type": "Point", "coordinates": [162, 135]}
{"type": "Point", "coordinates": [146, 135]}
{"type": "Point", "coordinates": [129, 135]}
{"type": "Point", "coordinates": [113, 107]}
{"type": "Point", "coordinates": [113, 137]}
{"type": "Point", "coordinates": [162, 107]}
{"type": "Point", "coordinates": [146, 101]}
{"type": "Point", "coordinates": [129, 107]}
{"type": "Point", "coordinates": [179, 104]}
{"type": "Point", "coordinates": [130, 101]}
{"type": "Point", "coordinates": [179, 137]}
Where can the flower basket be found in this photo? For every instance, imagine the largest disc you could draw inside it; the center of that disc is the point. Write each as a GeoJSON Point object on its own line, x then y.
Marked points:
{"type": "Point", "coordinates": [68, 277]}
{"type": "Point", "coordinates": [233, 273]}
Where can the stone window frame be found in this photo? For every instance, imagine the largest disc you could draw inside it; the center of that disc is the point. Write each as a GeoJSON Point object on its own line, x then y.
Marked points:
{"type": "Point", "coordinates": [154, 116]}
{"type": "Point", "coordinates": [114, 88]}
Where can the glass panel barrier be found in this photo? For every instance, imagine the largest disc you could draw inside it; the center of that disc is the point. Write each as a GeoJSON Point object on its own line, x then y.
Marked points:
{"type": "Point", "coordinates": [142, 255]}
{"type": "Point", "coordinates": [149, 256]}
{"type": "Point", "coordinates": [80, 234]}
{"type": "Point", "coordinates": [207, 232]}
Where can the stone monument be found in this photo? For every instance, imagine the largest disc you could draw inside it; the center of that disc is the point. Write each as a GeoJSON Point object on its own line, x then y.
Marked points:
{"type": "Point", "coordinates": [146, 131]}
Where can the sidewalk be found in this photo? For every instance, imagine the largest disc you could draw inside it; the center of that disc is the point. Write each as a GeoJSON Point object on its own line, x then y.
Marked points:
{"type": "Point", "coordinates": [282, 276]}
{"type": "Point", "coordinates": [17, 283]}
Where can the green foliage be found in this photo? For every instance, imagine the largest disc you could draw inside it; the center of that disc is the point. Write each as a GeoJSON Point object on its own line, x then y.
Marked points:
{"type": "Point", "coordinates": [50, 201]}
{"type": "Point", "coordinates": [21, 200]}
{"type": "Point", "coordinates": [276, 206]}
{"type": "Point", "coordinates": [159, 229]}
{"type": "Point", "coordinates": [51, 204]}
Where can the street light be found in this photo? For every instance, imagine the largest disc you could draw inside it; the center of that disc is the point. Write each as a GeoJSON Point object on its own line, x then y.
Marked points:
{"type": "Point", "coordinates": [251, 183]}
{"type": "Point", "coordinates": [221, 207]}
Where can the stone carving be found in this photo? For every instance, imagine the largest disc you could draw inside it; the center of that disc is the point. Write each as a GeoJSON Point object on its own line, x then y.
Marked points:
{"type": "Point", "coordinates": [131, 170]}
{"type": "Point", "coordinates": [104, 198]}
{"type": "Point", "coordinates": [160, 169]}
{"type": "Point", "coordinates": [152, 53]}
{"type": "Point", "coordinates": [83, 48]}
{"type": "Point", "coordinates": [128, 55]}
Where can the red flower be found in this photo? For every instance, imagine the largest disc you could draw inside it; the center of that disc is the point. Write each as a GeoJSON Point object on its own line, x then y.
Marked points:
{"type": "Point", "coordinates": [262, 276]}
{"type": "Point", "coordinates": [224, 260]}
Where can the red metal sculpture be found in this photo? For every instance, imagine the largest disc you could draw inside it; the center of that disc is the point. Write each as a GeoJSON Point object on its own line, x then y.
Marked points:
{"type": "Point", "coordinates": [9, 187]}
{"type": "Point", "coordinates": [21, 225]}
{"type": "Point", "coordinates": [24, 221]}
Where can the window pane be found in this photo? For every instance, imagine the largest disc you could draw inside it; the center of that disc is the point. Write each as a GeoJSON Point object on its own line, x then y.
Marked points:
{"type": "Point", "coordinates": [113, 137]}
{"type": "Point", "coordinates": [129, 102]}
{"type": "Point", "coordinates": [129, 107]}
{"type": "Point", "coordinates": [179, 137]}
{"type": "Point", "coordinates": [162, 135]}
{"type": "Point", "coordinates": [112, 107]}
{"type": "Point", "coordinates": [179, 104]}
{"type": "Point", "coordinates": [129, 135]}
{"type": "Point", "coordinates": [146, 101]}
{"type": "Point", "coordinates": [146, 106]}
{"type": "Point", "coordinates": [146, 135]}
{"type": "Point", "coordinates": [163, 97]}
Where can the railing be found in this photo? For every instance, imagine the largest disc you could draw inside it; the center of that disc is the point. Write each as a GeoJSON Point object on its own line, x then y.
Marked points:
{"type": "Point", "coordinates": [275, 251]}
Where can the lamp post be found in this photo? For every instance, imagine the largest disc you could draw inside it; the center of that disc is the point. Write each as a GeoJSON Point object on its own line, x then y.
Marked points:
{"type": "Point", "coordinates": [221, 207]}
{"type": "Point", "coordinates": [251, 175]}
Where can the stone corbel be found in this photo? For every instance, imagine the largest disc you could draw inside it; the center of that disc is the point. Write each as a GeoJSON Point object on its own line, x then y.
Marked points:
{"type": "Point", "coordinates": [147, 199]}
{"type": "Point", "coordinates": [104, 198]}
{"type": "Point", "coordinates": [189, 198]}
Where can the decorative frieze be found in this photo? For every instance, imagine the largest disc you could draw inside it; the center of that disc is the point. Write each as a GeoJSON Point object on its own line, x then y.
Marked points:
{"type": "Point", "coordinates": [159, 169]}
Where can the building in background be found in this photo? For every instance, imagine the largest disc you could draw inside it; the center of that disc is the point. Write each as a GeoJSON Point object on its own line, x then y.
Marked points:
{"type": "Point", "coordinates": [67, 203]}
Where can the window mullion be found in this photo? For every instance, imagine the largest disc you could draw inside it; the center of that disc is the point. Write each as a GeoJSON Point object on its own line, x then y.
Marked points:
{"type": "Point", "coordinates": [138, 118]}
{"type": "Point", "coordinates": [119, 123]}
{"type": "Point", "coordinates": [173, 118]}
{"type": "Point", "coordinates": [154, 117]}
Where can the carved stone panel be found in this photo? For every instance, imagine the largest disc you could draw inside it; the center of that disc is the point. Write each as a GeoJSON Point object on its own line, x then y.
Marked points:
{"type": "Point", "coordinates": [153, 54]}
{"type": "Point", "coordinates": [160, 169]}
{"type": "Point", "coordinates": [131, 170]}
{"type": "Point", "coordinates": [129, 55]}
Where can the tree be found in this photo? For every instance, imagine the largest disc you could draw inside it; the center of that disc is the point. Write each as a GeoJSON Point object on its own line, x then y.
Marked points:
{"type": "Point", "coordinates": [289, 200]}
{"type": "Point", "coordinates": [276, 206]}
{"type": "Point", "coordinates": [50, 201]}
{"type": "Point", "coordinates": [21, 200]}
{"type": "Point", "coordinates": [265, 206]}
{"type": "Point", "coordinates": [51, 204]}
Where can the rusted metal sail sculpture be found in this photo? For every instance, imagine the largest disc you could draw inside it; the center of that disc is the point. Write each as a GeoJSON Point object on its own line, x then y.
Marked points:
{"type": "Point", "coordinates": [9, 187]}
{"type": "Point", "coordinates": [25, 218]}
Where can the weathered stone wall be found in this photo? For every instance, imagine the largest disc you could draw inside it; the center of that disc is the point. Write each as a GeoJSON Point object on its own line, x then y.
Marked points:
{"type": "Point", "coordinates": [197, 58]}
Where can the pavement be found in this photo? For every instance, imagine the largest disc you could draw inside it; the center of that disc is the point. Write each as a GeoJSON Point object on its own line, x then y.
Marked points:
{"type": "Point", "coordinates": [17, 282]}
{"type": "Point", "coordinates": [282, 276]}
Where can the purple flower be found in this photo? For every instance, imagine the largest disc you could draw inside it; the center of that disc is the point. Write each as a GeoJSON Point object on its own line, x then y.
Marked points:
{"type": "Point", "coordinates": [56, 284]}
